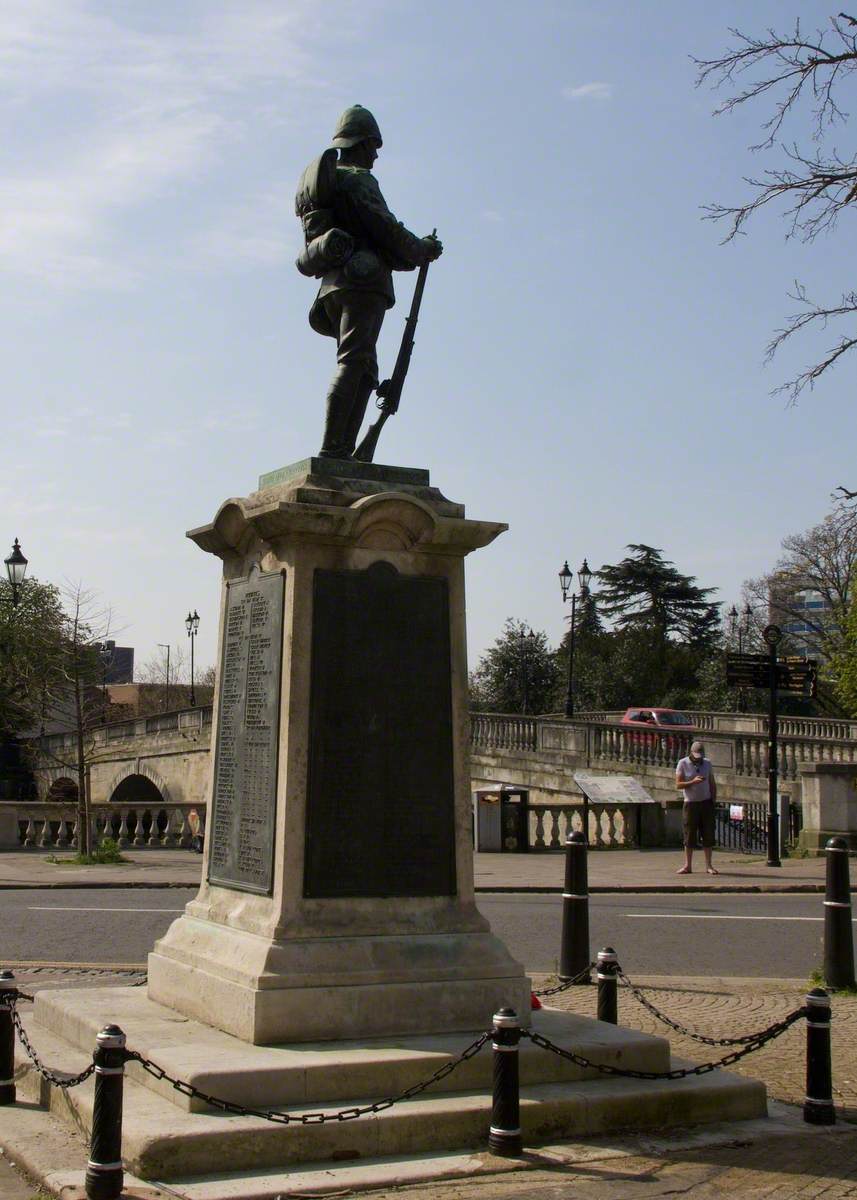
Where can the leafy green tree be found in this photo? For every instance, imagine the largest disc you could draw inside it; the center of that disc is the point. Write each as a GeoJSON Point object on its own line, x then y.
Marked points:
{"type": "Point", "coordinates": [845, 662]}
{"type": "Point", "coordinates": [518, 674]}
{"type": "Point", "coordinates": [32, 640]}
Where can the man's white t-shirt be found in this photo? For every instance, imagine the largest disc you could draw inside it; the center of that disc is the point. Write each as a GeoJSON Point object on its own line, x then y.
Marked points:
{"type": "Point", "coordinates": [688, 769]}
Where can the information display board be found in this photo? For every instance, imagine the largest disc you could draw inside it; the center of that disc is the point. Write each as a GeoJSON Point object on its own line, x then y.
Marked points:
{"type": "Point", "coordinates": [244, 800]}
{"type": "Point", "coordinates": [612, 789]}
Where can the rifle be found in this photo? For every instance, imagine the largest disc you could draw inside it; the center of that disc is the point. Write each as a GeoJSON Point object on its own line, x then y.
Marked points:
{"type": "Point", "coordinates": [390, 391]}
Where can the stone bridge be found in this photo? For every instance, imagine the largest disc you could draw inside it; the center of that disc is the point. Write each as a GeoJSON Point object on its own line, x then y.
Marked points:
{"type": "Point", "coordinates": [161, 763]}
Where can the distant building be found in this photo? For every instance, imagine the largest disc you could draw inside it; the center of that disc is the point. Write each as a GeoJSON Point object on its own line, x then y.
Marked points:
{"type": "Point", "coordinates": [802, 613]}
{"type": "Point", "coordinates": [118, 662]}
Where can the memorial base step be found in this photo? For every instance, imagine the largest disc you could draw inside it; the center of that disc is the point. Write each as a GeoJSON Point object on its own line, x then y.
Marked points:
{"type": "Point", "coordinates": [164, 1138]}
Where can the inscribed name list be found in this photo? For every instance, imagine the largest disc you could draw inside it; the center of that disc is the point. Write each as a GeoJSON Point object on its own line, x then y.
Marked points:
{"type": "Point", "coordinates": [245, 769]}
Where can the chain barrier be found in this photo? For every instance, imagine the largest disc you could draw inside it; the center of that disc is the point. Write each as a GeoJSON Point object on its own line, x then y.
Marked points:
{"type": "Point", "coordinates": [759, 1040]}
{"type": "Point", "coordinates": [566, 984]}
{"type": "Point", "coordinates": [637, 993]}
{"type": "Point", "coordinates": [313, 1118]}
{"type": "Point", "coordinates": [60, 1079]}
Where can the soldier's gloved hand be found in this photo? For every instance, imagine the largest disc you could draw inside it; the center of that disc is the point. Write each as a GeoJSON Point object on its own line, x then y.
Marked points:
{"type": "Point", "coordinates": [433, 245]}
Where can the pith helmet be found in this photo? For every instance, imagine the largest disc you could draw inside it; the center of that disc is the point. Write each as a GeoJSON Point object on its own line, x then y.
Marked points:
{"type": "Point", "coordinates": [355, 125]}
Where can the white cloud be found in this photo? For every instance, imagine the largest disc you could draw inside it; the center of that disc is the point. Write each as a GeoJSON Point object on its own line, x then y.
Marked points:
{"type": "Point", "coordinates": [134, 112]}
{"type": "Point", "coordinates": [589, 91]}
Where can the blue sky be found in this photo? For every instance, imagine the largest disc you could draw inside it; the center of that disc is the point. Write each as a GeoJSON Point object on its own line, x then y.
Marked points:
{"type": "Point", "coordinates": [589, 363]}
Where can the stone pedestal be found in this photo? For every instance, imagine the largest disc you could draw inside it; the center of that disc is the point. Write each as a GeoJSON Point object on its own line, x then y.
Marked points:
{"type": "Point", "coordinates": [337, 897]}
{"type": "Point", "coordinates": [829, 800]}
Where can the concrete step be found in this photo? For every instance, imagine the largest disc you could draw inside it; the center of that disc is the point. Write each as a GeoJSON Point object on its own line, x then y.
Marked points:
{"type": "Point", "coordinates": [162, 1142]}
{"type": "Point", "coordinates": [322, 1072]}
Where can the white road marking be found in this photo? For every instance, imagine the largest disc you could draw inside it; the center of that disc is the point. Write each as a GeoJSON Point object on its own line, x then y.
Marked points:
{"type": "Point", "coordinates": [57, 908]}
{"type": "Point", "coordinates": [714, 917]}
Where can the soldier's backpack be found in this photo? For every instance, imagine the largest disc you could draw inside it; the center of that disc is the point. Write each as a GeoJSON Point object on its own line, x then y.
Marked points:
{"type": "Point", "coordinates": [325, 246]}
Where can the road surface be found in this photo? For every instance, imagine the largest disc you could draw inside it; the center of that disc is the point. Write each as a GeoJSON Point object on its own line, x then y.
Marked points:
{"type": "Point", "coordinates": [771, 935]}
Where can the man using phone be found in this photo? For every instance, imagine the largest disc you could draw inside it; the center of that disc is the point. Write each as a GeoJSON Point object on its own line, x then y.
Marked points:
{"type": "Point", "coordinates": [694, 777]}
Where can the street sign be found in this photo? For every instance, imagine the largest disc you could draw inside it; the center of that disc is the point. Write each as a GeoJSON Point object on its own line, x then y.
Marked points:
{"type": "Point", "coordinates": [754, 671]}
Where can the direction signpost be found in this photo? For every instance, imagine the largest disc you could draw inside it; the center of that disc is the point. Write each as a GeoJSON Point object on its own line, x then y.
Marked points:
{"type": "Point", "coordinates": [784, 675]}
{"type": "Point", "coordinates": [773, 636]}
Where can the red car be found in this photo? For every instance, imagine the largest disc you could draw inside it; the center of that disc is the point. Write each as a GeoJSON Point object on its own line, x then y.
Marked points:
{"type": "Point", "coordinates": [646, 721]}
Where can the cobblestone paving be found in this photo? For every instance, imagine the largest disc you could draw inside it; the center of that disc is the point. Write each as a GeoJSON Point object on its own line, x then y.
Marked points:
{"type": "Point", "coordinates": [729, 1008]}
{"type": "Point", "coordinates": [820, 1168]}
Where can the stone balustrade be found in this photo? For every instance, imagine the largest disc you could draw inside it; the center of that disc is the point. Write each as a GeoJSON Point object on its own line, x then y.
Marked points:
{"type": "Point", "coordinates": [599, 741]}
{"type": "Point", "coordinates": [54, 826]}
{"type": "Point", "coordinates": [611, 826]}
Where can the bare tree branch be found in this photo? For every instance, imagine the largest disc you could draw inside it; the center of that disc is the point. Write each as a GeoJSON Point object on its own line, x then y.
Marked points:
{"type": "Point", "coordinates": [794, 72]}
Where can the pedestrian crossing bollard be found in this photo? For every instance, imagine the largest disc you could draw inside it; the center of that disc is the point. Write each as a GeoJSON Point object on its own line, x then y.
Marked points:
{"type": "Point", "coordinates": [104, 1176]}
{"type": "Point", "coordinates": [818, 1103]}
{"type": "Point", "coordinates": [608, 985]}
{"type": "Point", "coordinates": [574, 956]}
{"type": "Point", "coordinates": [8, 994]}
{"type": "Point", "coordinates": [838, 938]}
{"type": "Point", "coordinates": [505, 1135]}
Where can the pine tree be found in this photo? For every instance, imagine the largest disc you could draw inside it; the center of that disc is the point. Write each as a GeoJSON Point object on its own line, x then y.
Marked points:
{"type": "Point", "coordinates": [645, 592]}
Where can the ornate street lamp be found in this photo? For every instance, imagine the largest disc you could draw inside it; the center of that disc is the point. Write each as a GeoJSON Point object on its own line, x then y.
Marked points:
{"type": "Point", "coordinates": [525, 644]}
{"type": "Point", "coordinates": [565, 581]}
{"type": "Point", "coordinates": [192, 625]}
{"type": "Point", "coordinates": [16, 569]}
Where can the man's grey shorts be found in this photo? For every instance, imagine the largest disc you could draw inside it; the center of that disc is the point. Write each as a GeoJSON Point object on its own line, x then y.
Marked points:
{"type": "Point", "coordinates": [697, 820]}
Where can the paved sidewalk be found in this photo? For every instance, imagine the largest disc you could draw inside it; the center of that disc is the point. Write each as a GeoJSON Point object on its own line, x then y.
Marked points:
{"type": "Point", "coordinates": [609, 871]}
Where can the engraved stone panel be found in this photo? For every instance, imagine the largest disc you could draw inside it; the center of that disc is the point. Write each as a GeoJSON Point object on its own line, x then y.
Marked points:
{"type": "Point", "coordinates": [245, 766]}
{"type": "Point", "coordinates": [380, 803]}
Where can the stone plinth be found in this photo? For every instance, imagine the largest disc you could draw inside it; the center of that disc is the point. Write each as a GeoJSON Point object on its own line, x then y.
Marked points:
{"type": "Point", "coordinates": [829, 799]}
{"type": "Point", "coordinates": [337, 897]}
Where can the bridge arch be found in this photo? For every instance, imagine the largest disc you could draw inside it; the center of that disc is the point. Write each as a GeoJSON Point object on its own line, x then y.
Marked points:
{"type": "Point", "coordinates": [62, 789]}
{"type": "Point", "coordinates": [138, 784]}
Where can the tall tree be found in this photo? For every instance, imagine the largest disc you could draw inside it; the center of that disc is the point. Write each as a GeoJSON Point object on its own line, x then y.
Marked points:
{"type": "Point", "coordinates": [518, 674]}
{"type": "Point", "coordinates": [79, 701]}
{"type": "Point", "coordinates": [645, 592]}
{"type": "Point", "coordinates": [800, 77]}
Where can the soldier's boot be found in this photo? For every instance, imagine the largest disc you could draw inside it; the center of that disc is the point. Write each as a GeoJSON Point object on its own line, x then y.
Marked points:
{"type": "Point", "coordinates": [358, 412]}
{"type": "Point", "coordinates": [340, 402]}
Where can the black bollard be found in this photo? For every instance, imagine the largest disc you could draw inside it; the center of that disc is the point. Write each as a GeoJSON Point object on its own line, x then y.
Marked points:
{"type": "Point", "coordinates": [8, 994]}
{"type": "Point", "coordinates": [574, 956]}
{"type": "Point", "coordinates": [818, 1103]}
{"type": "Point", "coordinates": [838, 940]}
{"type": "Point", "coordinates": [505, 1135]}
{"type": "Point", "coordinates": [104, 1176]}
{"type": "Point", "coordinates": [608, 985]}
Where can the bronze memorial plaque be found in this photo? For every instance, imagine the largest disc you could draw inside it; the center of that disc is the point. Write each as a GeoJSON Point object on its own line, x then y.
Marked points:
{"type": "Point", "coordinates": [380, 795]}
{"type": "Point", "coordinates": [244, 800]}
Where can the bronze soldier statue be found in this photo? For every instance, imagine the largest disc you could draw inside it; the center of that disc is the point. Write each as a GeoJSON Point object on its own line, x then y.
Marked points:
{"type": "Point", "coordinates": [353, 244]}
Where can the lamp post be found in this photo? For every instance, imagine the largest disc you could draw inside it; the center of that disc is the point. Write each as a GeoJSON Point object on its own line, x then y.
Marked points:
{"type": "Point", "coordinates": [16, 569]}
{"type": "Point", "coordinates": [105, 652]}
{"type": "Point", "coordinates": [164, 646]}
{"type": "Point", "coordinates": [525, 641]}
{"type": "Point", "coordinates": [192, 625]}
{"type": "Point", "coordinates": [743, 630]}
{"type": "Point", "coordinates": [565, 581]}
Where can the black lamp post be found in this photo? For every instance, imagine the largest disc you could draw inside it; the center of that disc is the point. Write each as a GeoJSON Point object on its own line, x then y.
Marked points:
{"type": "Point", "coordinates": [565, 581]}
{"type": "Point", "coordinates": [525, 641]}
{"type": "Point", "coordinates": [164, 646]}
{"type": "Point", "coordinates": [105, 651]}
{"type": "Point", "coordinates": [16, 569]}
{"type": "Point", "coordinates": [192, 625]}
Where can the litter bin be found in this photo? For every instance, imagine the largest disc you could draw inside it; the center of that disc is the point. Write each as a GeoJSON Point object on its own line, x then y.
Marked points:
{"type": "Point", "coordinates": [501, 819]}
